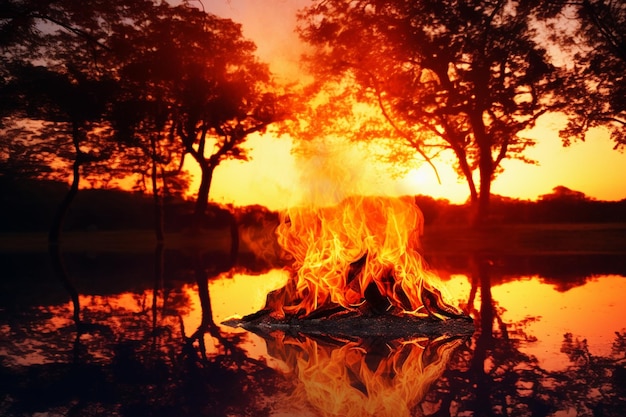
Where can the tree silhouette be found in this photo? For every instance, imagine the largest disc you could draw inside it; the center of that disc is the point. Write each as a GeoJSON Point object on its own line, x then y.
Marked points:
{"type": "Point", "coordinates": [564, 194]}
{"type": "Point", "coordinates": [191, 85]}
{"type": "Point", "coordinates": [55, 72]}
{"type": "Point", "coordinates": [219, 93]}
{"type": "Point", "coordinates": [71, 104]}
{"type": "Point", "coordinates": [143, 112]}
{"type": "Point", "coordinates": [594, 32]}
{"type": "Point", "coordinates": [468, 76]}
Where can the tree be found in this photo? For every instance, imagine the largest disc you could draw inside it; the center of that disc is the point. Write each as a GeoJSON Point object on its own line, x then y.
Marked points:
{"type": "Point", "coordinates": [191, 85]}
{"type": "Point", "coordinates": [170, 81]}
{"type": "Point", "coordinates": [219, 92]}
{"type": "Point", "coordinates": [144, 110]}
{"type": "Point", "coordinates": [595, 33]}
{"type": "Point", "coordinates": [70, 105]}
{"type": "Point", "coordinates": [468, 76]}
{"type": "Point", "coordinates": [564, 194]}
{"type": "Point", "coordinates": [55, 70]}
{"type": "Point", "coordinates": [81, 83]}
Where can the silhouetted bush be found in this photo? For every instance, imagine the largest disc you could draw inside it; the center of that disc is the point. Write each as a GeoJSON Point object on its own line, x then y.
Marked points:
{"type": "Point", "coordinates": [29, 205]}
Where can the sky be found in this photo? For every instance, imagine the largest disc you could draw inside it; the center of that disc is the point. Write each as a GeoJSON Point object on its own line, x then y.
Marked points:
{"type": "Point", "coordinates": [276, 178]}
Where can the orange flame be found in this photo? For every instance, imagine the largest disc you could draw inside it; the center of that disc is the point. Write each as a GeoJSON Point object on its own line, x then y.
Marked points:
{"type": "Point", "coordinates": [354, 379]}
{"type": "Point", "coordinates": [362, 245]}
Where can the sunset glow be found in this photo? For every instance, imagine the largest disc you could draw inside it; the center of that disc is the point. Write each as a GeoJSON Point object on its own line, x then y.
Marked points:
{"type": "Point", "coordinates": [593, 311]}
{"type": "Point", "coordinates": [313, 208]}
{"type": "Point", "coordinates": [270, 178]}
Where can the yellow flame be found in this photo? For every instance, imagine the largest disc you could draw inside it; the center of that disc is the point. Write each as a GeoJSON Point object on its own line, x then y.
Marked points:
{"type": "Point", "coordinates": [338, 251]}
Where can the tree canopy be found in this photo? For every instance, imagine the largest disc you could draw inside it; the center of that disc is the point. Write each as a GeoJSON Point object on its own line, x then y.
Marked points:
{"type": "Point", "coordinates": [147, 82]}
{"type": "Point", "coordinates": [466, 76]}
{"type": "Point", "coordinates": [595, 38]}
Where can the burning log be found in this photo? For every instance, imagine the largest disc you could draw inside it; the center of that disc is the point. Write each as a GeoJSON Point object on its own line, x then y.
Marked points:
{"type": "Point", "coordinates": [374, 317]}
{"type": "Point", "coordinates": [354, 324]}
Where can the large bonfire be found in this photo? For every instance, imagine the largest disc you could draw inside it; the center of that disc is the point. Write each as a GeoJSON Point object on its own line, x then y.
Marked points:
{"type": "Point", "coordinates": [362, 322]}
{"type": "Point", "coordinates": [356, 260]}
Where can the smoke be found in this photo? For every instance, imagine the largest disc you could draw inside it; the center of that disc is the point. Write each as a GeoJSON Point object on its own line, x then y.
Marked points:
{"type": "Point", "coordinates": [330, 170]}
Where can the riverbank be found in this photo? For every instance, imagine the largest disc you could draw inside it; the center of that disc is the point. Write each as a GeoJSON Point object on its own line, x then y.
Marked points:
{"type": "Point", "coordinates": [555, 238]}
{"type": "Point", "coordinates": [583, 238]}
{"type": "Point", "coordinates": [127, 241]}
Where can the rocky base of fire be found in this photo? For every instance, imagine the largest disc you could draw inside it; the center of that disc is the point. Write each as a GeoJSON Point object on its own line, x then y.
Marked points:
{"type": "Point", "coordinates": [354, 324]}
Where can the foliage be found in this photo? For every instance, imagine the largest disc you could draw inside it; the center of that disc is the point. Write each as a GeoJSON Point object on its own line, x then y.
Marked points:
{"type": "Point", "coordinates": [124, 89]}
{"type": "Point", "coordinates": [465, 76]}
{"type": "Point", "coordinates": [192, 84]}
{"type": "Point", "coordinates": [592, 33]}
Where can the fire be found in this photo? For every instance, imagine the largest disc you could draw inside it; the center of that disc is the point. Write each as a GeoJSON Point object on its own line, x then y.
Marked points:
{"type": "Point", "coordinates": [363, 378]}
{"type": "Point", "coordinates": [365, 250]}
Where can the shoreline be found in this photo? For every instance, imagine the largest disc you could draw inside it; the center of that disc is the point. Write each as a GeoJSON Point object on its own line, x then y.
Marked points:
{"type": "Point", "coordinates": [522, 239]}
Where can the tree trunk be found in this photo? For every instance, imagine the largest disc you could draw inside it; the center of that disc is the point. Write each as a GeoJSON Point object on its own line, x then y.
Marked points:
{"type": "Point", "coordinates": [467, 173]}
{"type": "Point", "coordinates": [158, 201]}
{"type": "Point", "coordinates": [484, 197]}
{"type": "Point", "coordinates": [202, 200]}
{"type": "Point", "coordinates": [59, 218]}
{"type": "Point", "coordinates": [202, 203]}
{"type": "Point", "coordinates": [485, 167]}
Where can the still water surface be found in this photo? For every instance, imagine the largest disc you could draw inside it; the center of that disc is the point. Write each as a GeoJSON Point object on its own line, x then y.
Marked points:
{"type": "Point", "coordinates": [129, 335]}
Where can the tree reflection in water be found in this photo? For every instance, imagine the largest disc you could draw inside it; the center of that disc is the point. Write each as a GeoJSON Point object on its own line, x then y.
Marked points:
{"type": "Point", "coordinates": [494, 377]}
{"type": "Point", "coordinates": [128, 354]}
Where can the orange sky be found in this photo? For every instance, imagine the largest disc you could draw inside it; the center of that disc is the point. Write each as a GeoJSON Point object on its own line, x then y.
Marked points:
{"type": "Point", "coordinates": [275, 178]}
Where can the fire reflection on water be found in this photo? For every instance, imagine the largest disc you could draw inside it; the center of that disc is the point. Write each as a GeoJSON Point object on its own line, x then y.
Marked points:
{"type": "Point", "coordinates": [594, 311]}
{"type": "Point", "coordinates": [365, 377]}
{"type": "Point", "coordinates": [336, 376]}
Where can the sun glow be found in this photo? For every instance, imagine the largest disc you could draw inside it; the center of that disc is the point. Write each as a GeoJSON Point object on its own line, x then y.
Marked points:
{"type": "Point", "coordinates": [271, 177]}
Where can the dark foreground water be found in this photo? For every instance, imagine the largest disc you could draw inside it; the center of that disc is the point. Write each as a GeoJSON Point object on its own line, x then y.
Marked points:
{"type": "Point", "coordinates": [140, 335]}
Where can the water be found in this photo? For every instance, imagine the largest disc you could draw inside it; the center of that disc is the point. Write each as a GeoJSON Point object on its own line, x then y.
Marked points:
{"type": "Point", "coordinates": [148, 341]}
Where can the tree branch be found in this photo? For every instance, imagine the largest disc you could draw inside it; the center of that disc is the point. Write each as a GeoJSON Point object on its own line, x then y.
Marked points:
{"type": "Point", "coordinates": [399, 131]}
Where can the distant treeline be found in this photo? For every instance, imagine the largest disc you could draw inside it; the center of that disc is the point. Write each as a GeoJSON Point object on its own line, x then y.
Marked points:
{"type": "Point", "coordinates": [29, 206]}
{"type": "Point", "coordinates": [561, 206]}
